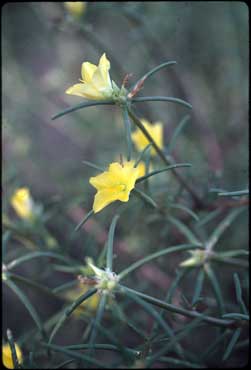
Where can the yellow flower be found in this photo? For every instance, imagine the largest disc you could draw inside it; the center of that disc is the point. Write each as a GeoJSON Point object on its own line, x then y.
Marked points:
{"type": "Point", "coordinates": [96, 83]}
{"type": "Point", "coordinates": [75, 8]}
{"type": "Point", "coordinates": [114, 184]}
{"type": "Point", "coordinates": [22, 202]}
{"type": "Point", "coordinates": [87, 306]}
{"type": "Point", "coordinates": [7, 358]}
{"type": "Point", "coordinates": [155, 130]}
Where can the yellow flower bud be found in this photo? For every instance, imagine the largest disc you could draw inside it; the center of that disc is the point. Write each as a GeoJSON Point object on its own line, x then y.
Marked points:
{"type": "Point", "coordinates": [22, 202]}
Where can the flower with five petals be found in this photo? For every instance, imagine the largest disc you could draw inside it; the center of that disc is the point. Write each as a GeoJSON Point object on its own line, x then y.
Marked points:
{"type": "Point", "coordinates": [114, 184]}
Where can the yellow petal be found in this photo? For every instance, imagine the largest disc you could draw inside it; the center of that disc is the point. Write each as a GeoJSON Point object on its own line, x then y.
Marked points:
{"type": "Point", "coordinates": [103, 198]}
{"type": "Point", "coordinates": [102, 181]}
{"type": "Point", "coordinates": [101, 83]}
{"type": "Point", "coordinates": [85, 91]}
{"type": "Point", "coordinates": [7, 357]}
{"type": "Point", "coordinates": [87, 71]}
{"type": "Point", "coordinates": [142, 169]}
{"type": "Point", "coordinates": [104, 66]}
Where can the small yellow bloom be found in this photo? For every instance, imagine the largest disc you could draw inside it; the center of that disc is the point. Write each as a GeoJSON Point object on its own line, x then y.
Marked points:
{"type": "Point", "coordinates": [22, 202]}
{"type": "Point", "coordinates": [7, 357]}
{"type": "Point", "coordinates": [114, 184]}
{"type": "Point", "coordinates": [96, 83]}
{"type": "Point", "coordinates": [88, 305]}
{"type": "Point", "coordinates": [155, 130]}
{"type": "Point", "coordinates": [75, 8]}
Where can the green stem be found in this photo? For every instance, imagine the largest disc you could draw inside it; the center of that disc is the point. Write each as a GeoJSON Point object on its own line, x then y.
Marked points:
{"type": "Point", "coordinates": [161, 154]}
{"type": "Point", "coordinates": [127, 124]}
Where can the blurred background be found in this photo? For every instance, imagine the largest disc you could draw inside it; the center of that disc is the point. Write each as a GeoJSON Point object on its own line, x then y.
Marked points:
{"type": "Point", "coordinates": [43, 47]}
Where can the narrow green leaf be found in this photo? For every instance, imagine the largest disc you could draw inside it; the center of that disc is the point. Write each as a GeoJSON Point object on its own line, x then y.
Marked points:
{"type": "Point", "coordinates": [215, 343]}
{"type": "Point", "coordinates": [209, 217]}
{"type": "Point", "coordinates": [142, 178]}
{"type": "Point", "coordinates": [216, 287]}
{"type": "Point", "coordinates": [172, 249]}
{"type": "Point", "coordinates": [231, 344]}
{"type": "Point", "coordinates": [65, 286]}
{"type": "Point", "coordinates": [93, 165]}
{"type": "Point", "coordinates": [28, 306]}
{"type": "Point", "coordinates": [72, 354]}
{"type": "Point", "coordinates": [177, 309]}
{"type": "Point", "coordinates": [238, 292]}
{"type": "Point", "coordinates": [146, 198]}
{"type": "Point", "coordinates": [110, 243]}
{"type": "Point", "coordinates": [83, 105]}
{"type": "Point", "coordinates": [234, 253]}
{"type": "Point", "coordinates": [177, 132]}
{"type": "Point", "coordinates": [31, 283]}
{"type": "Point", "coordinates": [230, 261]}
{"type": "Point", "coordinates": [127, 125]}
{"type": "Point", "coordinates": [179, 276]}
{"type": "Point", "coordinates": [29, 256]}
{"type": "Point", "coordinates": [159, 319]}
{"type": "Point", "coordinates": [188, 328]}
{"type": "Point", "coordinates": [151, 72]}
{"type": "Point", "coordinates": [198, 286]}
{"type": "Point", "coordinates": [234, 193]}
{"type": "Point", "coordinates": [6, 238]}
{"type": "Point", "coordinates": [119, 314]}
{"type": "Point", "coordinates": [68, 311]}
{"type": "Point", "coordinates": [97, 320]}
{"type": "Point", "coordinates": [86, 218]}
{"type": "Point", "coordinates": [185, 209]}
{"type": "Point", "coordinates": [108, 333]}
{"type": "Point", "coordinates": [183, 229]}
{"type": "Point", "coordinates": [222, 227]}
{"type": "Point", "coordinates": [162, 98]}
{"type": "Point", "coordinates": [106, 347]}
{"type": "Point", "coordinates": [141, 155]}
{"type": "Point", "coordinates": [236, 316]}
